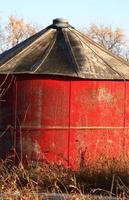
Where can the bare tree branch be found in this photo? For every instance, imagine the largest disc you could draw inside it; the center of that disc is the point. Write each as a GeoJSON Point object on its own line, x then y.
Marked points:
{"type": "Point", "coordinates": [113, 40]}
{"type": "Point", "coordinates": [18, 30]}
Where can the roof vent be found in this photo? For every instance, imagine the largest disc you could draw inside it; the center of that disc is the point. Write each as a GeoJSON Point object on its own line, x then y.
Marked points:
{"type": "Point", "coordinates": [60, 23]}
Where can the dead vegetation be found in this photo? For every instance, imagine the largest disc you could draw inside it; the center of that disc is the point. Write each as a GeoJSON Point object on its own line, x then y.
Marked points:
{"type": "Point", "coordinates": [110, 179]}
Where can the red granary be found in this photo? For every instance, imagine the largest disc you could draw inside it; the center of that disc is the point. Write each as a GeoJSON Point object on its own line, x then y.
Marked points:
{"type": "Point", "coordinates": [65, 98]}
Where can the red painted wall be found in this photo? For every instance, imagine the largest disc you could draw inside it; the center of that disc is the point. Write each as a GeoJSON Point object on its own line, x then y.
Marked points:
{"type": "Point", "coordinates": [70, 121]}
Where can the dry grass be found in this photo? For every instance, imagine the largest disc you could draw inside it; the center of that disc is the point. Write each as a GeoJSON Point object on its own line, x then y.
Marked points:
{"type": "Point", "coordinates": [107, 177]}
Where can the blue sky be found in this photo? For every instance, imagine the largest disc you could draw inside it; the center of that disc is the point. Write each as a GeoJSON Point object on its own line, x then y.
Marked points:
{"type": "Point", "coordinates": [80, 13]}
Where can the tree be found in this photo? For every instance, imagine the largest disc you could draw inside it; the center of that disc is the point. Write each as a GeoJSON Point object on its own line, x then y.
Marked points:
{"type": "Point", "coordinates": [18, 30]}
{"type": "Point", "coordinates": [113, 40]}
{"type": "Point", "coordinates": [2, 38]}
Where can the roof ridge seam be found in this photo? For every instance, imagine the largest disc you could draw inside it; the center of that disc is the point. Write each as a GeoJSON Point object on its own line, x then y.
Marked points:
{"type": "Point", "coordinates": [48, 51]}
{"type": "Point", "coordinates": [19, 53]}
{"type": "Point", "coordinates": [71, 50]}
{"type": "Point", "coordinates": [103, 49]}
{"type": "Point", "coordinates": [21, 46]}
{"type": "Point", "coordinates": [122, 75]}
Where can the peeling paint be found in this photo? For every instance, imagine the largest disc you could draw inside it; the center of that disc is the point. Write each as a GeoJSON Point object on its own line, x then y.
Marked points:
{"type": "Point", "coordinates": [104, 95]}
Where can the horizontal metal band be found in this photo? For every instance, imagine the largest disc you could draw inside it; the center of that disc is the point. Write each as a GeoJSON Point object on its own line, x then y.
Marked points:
{"type": "Point", "coordinates": [74, 127]}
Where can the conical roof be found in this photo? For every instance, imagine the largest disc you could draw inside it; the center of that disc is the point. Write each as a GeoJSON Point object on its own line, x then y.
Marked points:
{"type": "Point", "coordinates": [61, 50]}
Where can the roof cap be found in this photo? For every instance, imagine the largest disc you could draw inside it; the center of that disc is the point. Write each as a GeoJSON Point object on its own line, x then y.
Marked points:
{"type": "Point", "coordinates": [60, 23]}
